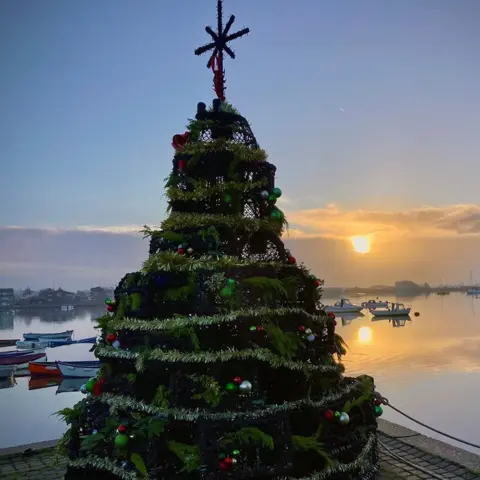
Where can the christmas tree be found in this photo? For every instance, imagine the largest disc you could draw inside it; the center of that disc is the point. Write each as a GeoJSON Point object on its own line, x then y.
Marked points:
{"type": "Point", "coordinates": [218, 361]}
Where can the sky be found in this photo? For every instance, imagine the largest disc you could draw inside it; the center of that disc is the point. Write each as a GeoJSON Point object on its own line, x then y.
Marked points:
{"type": "Point", "coordinates": [369, 110]}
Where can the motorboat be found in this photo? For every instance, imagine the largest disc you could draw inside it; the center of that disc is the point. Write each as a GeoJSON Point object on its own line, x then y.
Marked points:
{"type": "Point", "coordinates": [374, 304]}
{"type": "Point", "coordinates": [67, 335]}
{"type": "Point", "coordinates": [343, 306]}
{"type": "Point", "coordinates": [395, 310]}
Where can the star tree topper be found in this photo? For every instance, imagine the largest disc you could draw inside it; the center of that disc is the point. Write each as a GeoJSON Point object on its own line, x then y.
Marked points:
{"type": "Point", "coordinates": [219, 46]}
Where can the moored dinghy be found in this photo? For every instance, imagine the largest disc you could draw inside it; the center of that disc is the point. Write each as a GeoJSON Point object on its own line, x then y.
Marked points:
{"type": "Point", "coordinates": [67, 335]}
{"type": "Point", "coordinates": [44, 369]}
{"type": "Point", "coordinates": [22, 361]}
{"type": "Point", "coordinates": [343, 306]}
{"type": "Point", "coordinates": [79, 369]}
{"type": "Point", "coordinates": [395, 310]}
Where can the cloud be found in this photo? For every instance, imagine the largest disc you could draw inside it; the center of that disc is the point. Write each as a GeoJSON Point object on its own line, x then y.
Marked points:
{"type": "Point", "coordinates": [427, 222]}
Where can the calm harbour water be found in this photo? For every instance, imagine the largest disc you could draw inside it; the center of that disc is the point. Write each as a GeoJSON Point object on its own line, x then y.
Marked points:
{"type": "Point", "coordinates": [429, 368]}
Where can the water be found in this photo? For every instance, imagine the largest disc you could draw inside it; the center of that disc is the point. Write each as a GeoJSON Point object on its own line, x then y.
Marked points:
{"type": "Point", "coordinates": [430, 368]}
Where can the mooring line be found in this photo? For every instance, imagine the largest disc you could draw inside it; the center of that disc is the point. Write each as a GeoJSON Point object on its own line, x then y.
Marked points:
{"type": "Point", "coordinates": [386, 402]}
{"type": "Point", "coordinates": [417, 467]}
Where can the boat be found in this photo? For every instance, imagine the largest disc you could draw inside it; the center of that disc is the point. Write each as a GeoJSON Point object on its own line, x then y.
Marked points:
{"type": "Point", "coordinates": [79, 369]}
{"type": "Point", "coordinates": [443, 292]}
{"type": "Point", "coordinates": [13, 353]}
{"type": "Point", "coordinates": [67, 335]}
{"type": "Point", "coordinates": [396, 310]}
{"type": "Point", "coordinates": [473, 291]}
{"type": "Point", "coordinates": [54, 342]}
{"type": "Point", "coordinates": [44, 369]}
{"type": "Point", "coordinates": [343, 306]}
{"type": "Point", "coordinates": [8, 343]}
{"type": "Point", "coordinates": [71, 384]}
{"type": "Point", "coordinates": [22, 361]}
{"type": "Point", "coordinates": [375, 304]}
{"type": "Point", "coordinates": [32, 344]}
{"type": "Point", "coordinates": [7, 371]}
{"type": "Point", "coordinates": [67, 308]}
{"type": "Point", "coordinates": [36, 383]}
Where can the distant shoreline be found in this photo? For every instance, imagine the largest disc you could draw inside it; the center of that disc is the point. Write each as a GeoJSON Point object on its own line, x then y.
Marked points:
{"type": "Point", "coordinates": [44, 307]}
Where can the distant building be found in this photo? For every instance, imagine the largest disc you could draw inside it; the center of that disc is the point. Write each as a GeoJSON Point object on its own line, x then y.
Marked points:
{"type": "Point", "coordinates": [7, 297]}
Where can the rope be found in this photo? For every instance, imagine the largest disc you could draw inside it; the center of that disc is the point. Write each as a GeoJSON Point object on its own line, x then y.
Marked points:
{"type": "Point", "coordinates": [388, 404]}
{"type": "Point", "coordinates": [397, 457]}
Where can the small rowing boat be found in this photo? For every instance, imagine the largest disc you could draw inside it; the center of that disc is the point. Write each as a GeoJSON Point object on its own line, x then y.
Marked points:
{"type": "Point", "coordinates": [67, 335]}
{"type": "Point", "coordinates": [79, 369]}
{"type": "Point", "coordinates": [13, 353]}
{"type": "Point", "coordinates": [32, 344]}
{"type": "Point", "coordinates": [44, 369]}
{"type": "Point", "coordinates": [22, 361]}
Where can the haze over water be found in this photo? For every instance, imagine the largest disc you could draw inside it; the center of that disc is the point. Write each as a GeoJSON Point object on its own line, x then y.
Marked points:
{"type": "Point", "coordinates": [429, 368]}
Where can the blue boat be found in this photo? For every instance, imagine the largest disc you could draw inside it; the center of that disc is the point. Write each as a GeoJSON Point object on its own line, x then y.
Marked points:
{"type": "Point", "coordinates": [52, 342]}
{"type": "Point", "coordinates": [14, 353]}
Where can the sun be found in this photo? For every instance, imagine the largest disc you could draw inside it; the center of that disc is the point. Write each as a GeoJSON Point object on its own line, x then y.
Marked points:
{"type": "Point", "coordinates": [360, 243]}
{"type": "Point", "coordinates": [365, 335]}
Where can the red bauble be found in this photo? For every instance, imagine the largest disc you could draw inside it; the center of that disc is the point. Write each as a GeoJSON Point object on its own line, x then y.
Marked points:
{"type": "Point", "coordinates": [334, 323]}
{"type": "Point", "coordinates": [260, 328]}
{"type": "Point", "coordinates": [122, 429]}
{"type": "Point", "coordinates": [331, 315]}
{"type": "Point", "coordinates": [111, 337]}
{"type": "Point", "coordinates": [228, 461]}
{"type": "Point", "coordinates": [292, 260]}
{"type": "Point", "coordinates": [181, 165]}
{"type": "Point", "coordinates": [97, 389]}
{"type": "Point", "coordinates": [181, 251]}
{"type": "Point", "coordinates": [237, 380]}
{"type": "Point", "coordinates": [329, 415]}
{"type": "Point", "coordinates": [378, 402]}
{"type": "Point", "coordinates": [301, 328]}
{"type": "Point", "coordinates": [316, 283]}
{"type": "Point", "coordinates": [224, 465]}
{"type": "Point", "coordinates": [179, 140]}
{"type": "Point", "coordinates": [110, 308]}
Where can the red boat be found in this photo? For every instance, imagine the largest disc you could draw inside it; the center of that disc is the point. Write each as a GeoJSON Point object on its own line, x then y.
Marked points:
{"type": "Point", "coordinates": [22, 361]}
{"type": "Point", "coordinates": [44, 369]}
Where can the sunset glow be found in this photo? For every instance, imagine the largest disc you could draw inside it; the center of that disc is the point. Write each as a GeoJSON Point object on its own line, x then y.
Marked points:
{"type": "Point", "coordinates": [365, 335]}
{"type": "Point", "coordinates": [360, 243]}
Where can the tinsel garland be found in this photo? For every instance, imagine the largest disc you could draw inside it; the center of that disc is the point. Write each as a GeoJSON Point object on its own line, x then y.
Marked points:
{"type": "Point", "coordinates": [194, 320]}
{"type": "Point", "coordinates": [177, 356]}
{"type": "Point", "coordinates": [172, 261]}
{"type": "Point", "coordinates": [120, 402]}
{"type": "Point", "coordinates": [241, 152]}
{"type": "Point", "coordinates": [101, 463]}
{"type": "Point", "coordinates": [203, 190]}
{"type": "Point", "coordinates": [178, 221]}
{"type": "Point", "coordinates": [362, 462]}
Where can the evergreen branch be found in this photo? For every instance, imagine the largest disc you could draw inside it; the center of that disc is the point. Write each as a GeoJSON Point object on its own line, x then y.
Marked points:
{"type": "Point", "coordinates": [362, 462]}
{"type": "Point", "coordinates": [179, 221]}
{"type": "Point", "coordinates": [311, 444]}
{"type": "Point", "coordinates": [203, 190]}
{"type": "Point", "coordinates": [259, 354]}
{"type": "Point", "coordinates": [285, 343]}
{"type": "Point", "coordinates": [172, 261]}
{"type": "Point", "coordinates": [268, 288]}
{"type": "Point", "coordinates": [203, 321]}
{"type": "Point", "coordinates": [367, 388]}
{"type": "Point", "coordinates": [246, 436]}
{"type": "Point", "coordinates": [121, 402]}
{"type": "Point", "coordinates": [189, 455]}
{"type": "Point", "coordinates": [212, 392]}
{"type": "Point", "coordinates": [240, 151]}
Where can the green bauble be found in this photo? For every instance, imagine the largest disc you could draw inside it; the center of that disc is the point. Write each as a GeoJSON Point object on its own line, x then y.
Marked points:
{"type": "Point", "coordinates": [226, 292]}
{"type": "Point", "coordinates": [231, 282]}
{"type": "Point", "coordinates": [252, 328]}
{"type": "Point", "coordinates": [276, 214]}
{"type": "Point", "coordinates": [236, 453]}
{"type": "Point", "coordinates": [378, 411]}
{"type": "Point", "coordinates": [272, 198]}
{"type": "Point", "coordinates": [227, 198]}
{"type": "Point", "coordinates": [277, 192]}
{"type": "Point", "coordinates": [121, 440]}
{"type": "Point", "coordinates": [231, 387]}
{"type": "Point", "coordinates": [89, 385]}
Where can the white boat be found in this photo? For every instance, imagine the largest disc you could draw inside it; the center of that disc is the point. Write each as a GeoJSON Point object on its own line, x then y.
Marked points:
{"type": "Point", "coordinates": [32, 345]}
{"type": "Point", "coordinates": [343, 306]}
{"type": "Point", "coordinates": [375, 304]}
{"type": "Point", "coordinates": [79, 369]}
{"type": "Point", "coordinates": [67, 335]}
{"type": "Point", "coordinates": [473, 291]}
{"type": "Point", "coordinates": [7, 371]}
{"type": "Point", "coordinates": [395, 310]}
{"type": "Point", "coordinates": [67, 308]}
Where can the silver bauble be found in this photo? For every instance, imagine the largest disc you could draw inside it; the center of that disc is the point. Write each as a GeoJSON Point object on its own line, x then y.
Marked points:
{"type": "Point", "coordinates": [311, 337]}
{"type": "Point", "coordinates": [344, 418]}
{"type": "Point", "coordinates": [308, 331]}
{"type": "Point", "coordinates": [264, 194]}
{"type": "Point", "coordinates": [245, 387]}
{"type": "Point", "coordinates": [189, 250]}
